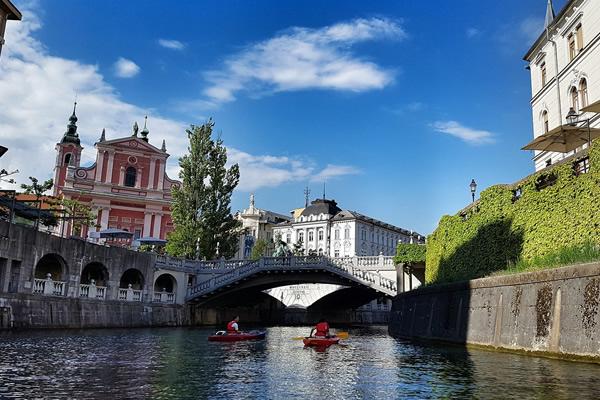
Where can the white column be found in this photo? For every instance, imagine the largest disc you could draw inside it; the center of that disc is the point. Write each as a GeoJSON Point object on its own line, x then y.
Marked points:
{"type": "Point", "coordinates": [104, 218]}
{"type": "Point", "coordinates": [109, 168]}
{"type": "Point", "coordinates": [161, 174]}
{"type": "Point", "coordinates": [122, 175]}
{"type": "Point", "coordinates": [99, 165]}
{"type": "Point", "coordinates": [157, 223]}
{"type": "Point", "coordinates": [152, 169]}
{"type": "Point", "coordinates": [147, 224]}
{"type": "Point", "coordinates": [138, 177]}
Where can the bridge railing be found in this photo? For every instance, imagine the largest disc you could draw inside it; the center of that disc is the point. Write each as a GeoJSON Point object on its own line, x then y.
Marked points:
{"type": "Point", "coordinates": [164, 297]}
{"type": "Point", "coordinates": [92, 291]}
{"type": "Point", "coordinates": [130, 294]}
{"type": "Point", "coordinates": [375, 262]}
{"type": "Point", "coordinates": [48, 287]}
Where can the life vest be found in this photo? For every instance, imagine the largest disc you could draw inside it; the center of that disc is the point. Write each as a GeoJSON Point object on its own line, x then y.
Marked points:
{"type": "Point", "coordinates": [230, 328]}
{"type": "Point", "coordinates": [322, 329]}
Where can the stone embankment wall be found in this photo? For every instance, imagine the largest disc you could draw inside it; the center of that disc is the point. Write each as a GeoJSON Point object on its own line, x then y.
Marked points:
{"type": "Point", "coordinates": [23, 311]}
{"type": "Point", "coordinates": [552, 312]}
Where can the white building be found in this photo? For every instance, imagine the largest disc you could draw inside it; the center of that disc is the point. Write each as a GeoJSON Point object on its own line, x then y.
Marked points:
{"type": "Point", "coordinates": [324, 228]}
{"type": "Point", "coordinates": [256, 224]}
{"type": "Point", "coordinates": [565, 70]}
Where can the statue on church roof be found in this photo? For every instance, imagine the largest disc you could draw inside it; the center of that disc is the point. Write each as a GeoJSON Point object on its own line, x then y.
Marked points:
{"type": "Point", "coordinates": [135, 129]}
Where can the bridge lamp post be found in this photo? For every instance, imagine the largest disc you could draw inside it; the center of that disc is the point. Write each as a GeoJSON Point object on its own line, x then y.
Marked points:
{"type": "Point", "coordinates": [473, 187]}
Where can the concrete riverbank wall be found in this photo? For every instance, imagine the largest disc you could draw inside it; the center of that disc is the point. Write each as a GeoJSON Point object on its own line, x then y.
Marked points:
{"type": "Point", "coordinates": [552, 312]}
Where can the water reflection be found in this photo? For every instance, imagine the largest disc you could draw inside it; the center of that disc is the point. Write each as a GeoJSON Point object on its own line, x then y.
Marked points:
{"type": "Point", "coordinates": [180, 363]}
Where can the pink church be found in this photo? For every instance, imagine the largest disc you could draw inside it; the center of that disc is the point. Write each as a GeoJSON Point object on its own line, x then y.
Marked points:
{"type": "Point", "coordinates": [127, 186]}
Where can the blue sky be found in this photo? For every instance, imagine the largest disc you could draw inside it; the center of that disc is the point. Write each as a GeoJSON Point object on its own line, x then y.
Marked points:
{"type": "Point", "coordinates": [394, 106]}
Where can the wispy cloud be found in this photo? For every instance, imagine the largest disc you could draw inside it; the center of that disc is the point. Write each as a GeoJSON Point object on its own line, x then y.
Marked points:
{"type": "Point", "coordinates": [172, 44]}
{"type": "Point", "coordinates": [271, 171]}
{"type": "Point", "coordinates": [303, 58]}
{"type": "Point", "coordinates": [126, 68]}
{"type": "Point", "coordinates": [469, 135]}
{"type": "Point", "coordinates": [472, 32]}
{"type": "Point", "coordinates": [531, 28]}
{"type": "Point", "coordinates": [515, 36]}
{"type": "Point", "coordinates": [334, 171]}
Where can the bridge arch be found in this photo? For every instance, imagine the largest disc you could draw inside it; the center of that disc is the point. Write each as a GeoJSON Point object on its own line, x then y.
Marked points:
{"type": "Point", "coordinates": [52, 264]}
{"type": "Point", "coordinates": [133, 277]}
{"type": "Point", "coordinates": [94, 271]}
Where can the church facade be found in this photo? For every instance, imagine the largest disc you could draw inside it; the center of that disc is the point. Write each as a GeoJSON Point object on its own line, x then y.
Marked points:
{"type": "Point", "coordinates": [127, 186]}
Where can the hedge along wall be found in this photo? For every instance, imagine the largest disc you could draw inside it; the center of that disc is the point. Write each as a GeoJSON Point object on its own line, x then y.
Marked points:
{"type": "Point", "coordinates": [553, 208]}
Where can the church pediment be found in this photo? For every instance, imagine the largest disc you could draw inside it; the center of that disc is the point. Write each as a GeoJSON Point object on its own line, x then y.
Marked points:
{"type": "Point", "coordinates": [129, 144]}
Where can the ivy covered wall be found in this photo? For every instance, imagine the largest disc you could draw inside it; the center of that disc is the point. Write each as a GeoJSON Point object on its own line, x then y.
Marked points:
{"type": "Point", "coordinates": [553, 208]}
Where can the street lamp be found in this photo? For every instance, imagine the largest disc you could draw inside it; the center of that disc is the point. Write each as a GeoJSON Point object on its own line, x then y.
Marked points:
{"type": "Point", "coordinates": [473, 186]}
{"type": "Point", "coordinates": [573, 119]}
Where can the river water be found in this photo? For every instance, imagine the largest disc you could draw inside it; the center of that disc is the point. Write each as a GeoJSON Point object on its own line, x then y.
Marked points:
{"type": "Point", "coordinates": [180, 363]}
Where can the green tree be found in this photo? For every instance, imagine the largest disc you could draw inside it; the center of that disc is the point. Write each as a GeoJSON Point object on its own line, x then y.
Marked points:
{"type": "Point", "coordinates": [201, 209]}
{"type": "Point", "coordinates": [261, 248]}
{"type": "Point", "coordinates": [80, 214]}
{"type": "Point", "coordinates": [38, 190]}
{"type": "Point", "coordinates": [299, 248]}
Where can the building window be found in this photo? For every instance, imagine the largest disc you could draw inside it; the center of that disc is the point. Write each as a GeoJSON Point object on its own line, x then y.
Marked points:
{"type": "Point", "coordinates": [347, 233]}
{"type": "Point", "coordinates": [583, 93]}
{"type": "Point", "coordinates": [582, 167]}
{"type": "Point", "coordinates": [572, 49]}
{"type": "Point", "coordinates": [137, 234]}
{"type": "Point", "coordinates": [130, 177]}
{"type": "Point", "coordinates": [320, 234]}
{"type": "Point", "coordinates": [337, 234]}
{"type": "Point", "coordinates": [288, 238]}
{"type": "Point", "coordinates": [545, 121]}
{"type": "Point", "coordinates": [543, 68]}
{"type": "Point", "coordinates": [301, 236]}
{"type": "Point", "coordinates": [67, 158]}
{"type": "Point", "coordinates": [336, 253]}
{"type": "Point", "coordinates": [310, 236]}
{"type": "Point", "coordinates": [579, 35]}
{"type": "Point", "coordinates": [574, 97]}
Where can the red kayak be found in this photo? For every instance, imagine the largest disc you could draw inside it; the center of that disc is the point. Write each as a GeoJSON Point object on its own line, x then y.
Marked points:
{"type": "Point", "coordinates": [320, 341]}
{"type": "Point", "coordinates": [222, 336]}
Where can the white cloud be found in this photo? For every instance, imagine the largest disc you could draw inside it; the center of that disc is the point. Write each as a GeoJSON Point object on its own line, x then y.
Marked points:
{"type": "Point", "coordinates": [531, 29]}
{"type": "Point", "coordinates": [469, 135]}
{"type": "Point", "coordinates": [172, 44]}
{"type": "Point", "coordinates": [334, 171]}
{"type": "Point", "coordinates": [303, 58]}
{"type": "Point", "coordinates": [126, 68]}
{"type": "Point", "coordinates": [271, 171]}
{"type": "Point", "coordinates": [471, 32]}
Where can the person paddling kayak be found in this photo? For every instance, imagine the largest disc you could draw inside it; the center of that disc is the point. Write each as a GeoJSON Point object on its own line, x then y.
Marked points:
{"type": "Point", "coordinates": [322, 329]}
{"type": "Point", "coordinates": [232, 326]}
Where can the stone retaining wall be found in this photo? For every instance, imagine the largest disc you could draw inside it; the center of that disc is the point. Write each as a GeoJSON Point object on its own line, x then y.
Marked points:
{"type": "Point", "coordinates": [553, 312]}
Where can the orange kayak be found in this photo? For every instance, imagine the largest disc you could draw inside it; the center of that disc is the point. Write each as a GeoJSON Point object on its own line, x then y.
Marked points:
{"type": "Point", "coordinates": [320, 341]}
